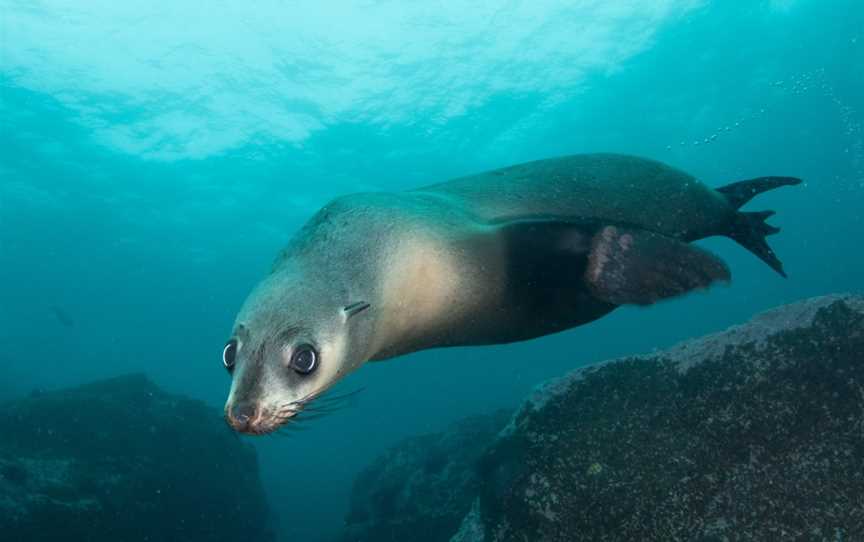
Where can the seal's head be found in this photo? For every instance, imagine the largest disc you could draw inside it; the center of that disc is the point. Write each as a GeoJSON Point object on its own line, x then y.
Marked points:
{"type": "Point", "coordinates": [291, 342]}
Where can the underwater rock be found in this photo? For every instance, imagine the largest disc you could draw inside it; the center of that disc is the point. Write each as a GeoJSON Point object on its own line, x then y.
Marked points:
{"type": "Point", "coordinates": [122, 460]}
{"type": "Point", "coordinates": [420, 489]}
{"type": "Point", "coordinates": [755, 433]}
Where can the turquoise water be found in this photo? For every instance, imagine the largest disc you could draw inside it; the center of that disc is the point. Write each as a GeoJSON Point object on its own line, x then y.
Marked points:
{"type": "Point", "coordinates": [155, 158]}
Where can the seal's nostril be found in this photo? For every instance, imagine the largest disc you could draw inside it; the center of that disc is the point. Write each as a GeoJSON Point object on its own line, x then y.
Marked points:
{"type": "Point", "coordinates": [241, 413]}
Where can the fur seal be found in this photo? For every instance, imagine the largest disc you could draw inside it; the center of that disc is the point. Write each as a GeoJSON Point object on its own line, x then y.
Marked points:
{"type": "Point", "coordinates": [502, 256]}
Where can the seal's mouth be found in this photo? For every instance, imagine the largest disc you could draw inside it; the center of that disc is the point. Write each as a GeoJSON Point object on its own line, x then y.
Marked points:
{"type": "Point", "coordinates": [256, 420]}
{"type": "Point", "coordinates": [252, 419]}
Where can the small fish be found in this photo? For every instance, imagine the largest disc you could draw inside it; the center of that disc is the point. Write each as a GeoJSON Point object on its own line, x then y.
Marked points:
{"type": "Point", "coordinates": [62, 316]}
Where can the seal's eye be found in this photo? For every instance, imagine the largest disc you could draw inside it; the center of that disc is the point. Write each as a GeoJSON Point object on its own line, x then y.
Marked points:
{"type": "Point", "coordinates": [229, 354]}
{"type": "Point", "coordinates": [304, 360]}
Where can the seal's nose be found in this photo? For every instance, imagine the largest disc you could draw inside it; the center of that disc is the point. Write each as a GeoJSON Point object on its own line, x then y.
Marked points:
{"type": "Point", "coordinates": [240, 415]}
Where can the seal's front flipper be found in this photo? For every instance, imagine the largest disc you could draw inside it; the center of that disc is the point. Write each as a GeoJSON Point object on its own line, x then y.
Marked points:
{"type": "Point", "coordinates": [629, 266]}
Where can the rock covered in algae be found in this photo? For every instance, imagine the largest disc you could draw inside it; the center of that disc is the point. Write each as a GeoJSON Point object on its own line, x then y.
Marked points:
{"type": "Point", "coordinates": [755, 433]}
{"type": "Point", "coordinates": [122, 460]}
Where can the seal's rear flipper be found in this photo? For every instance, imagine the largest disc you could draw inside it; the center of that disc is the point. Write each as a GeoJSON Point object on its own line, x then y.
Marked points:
{"type": "Point", "coordinates": [743, 191]}
{"type": "Point", "coordinates": [750, 229]}
{"type": "Point", "coordinates": [628, 266]}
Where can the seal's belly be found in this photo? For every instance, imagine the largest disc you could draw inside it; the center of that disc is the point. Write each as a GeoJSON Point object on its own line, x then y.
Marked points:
{"type": "Point", "coordinates": [533, 282]}
{"type": "Point", "coordinates": [484, 287]}
{"type": "Point", "coordinates": [423, 290]}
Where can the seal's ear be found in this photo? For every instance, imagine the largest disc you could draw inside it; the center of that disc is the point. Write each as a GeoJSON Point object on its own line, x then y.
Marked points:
{"type": "Point", "coordinates": [354, 308]}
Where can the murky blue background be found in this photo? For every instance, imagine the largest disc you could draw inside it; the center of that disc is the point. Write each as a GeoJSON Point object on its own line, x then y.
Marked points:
{"type": "Point", "coordinates": [154, 158]}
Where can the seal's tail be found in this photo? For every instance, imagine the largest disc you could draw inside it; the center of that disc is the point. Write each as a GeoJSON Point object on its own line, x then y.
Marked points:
{"type": "Point", "coordinates": [750, 229]}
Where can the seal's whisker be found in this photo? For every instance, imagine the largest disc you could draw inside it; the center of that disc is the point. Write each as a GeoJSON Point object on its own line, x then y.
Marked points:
{"type": "Point", "coordinates": [310, 414]}
{"type": "Point", "coordinates": [308, 418]}
{"type": "Point", "coordinates": [339, 399]}
{"type": "Point", "coordinates": [292, 427]}
{"type": "Point", "coordinates": [290, 416]}
{"type": "Point", "coordinates": [283, 432]}
{"type": "Point", "coordinates": [313, 414]}
{"type": "Point", "coordinates": [317, 396]}
{"type": "Point", "coordinates": [285, 411]}
{"type": "Point", "coordinates": [326, 399]}
{"type": "Point", "coordinates": [323, 408]}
